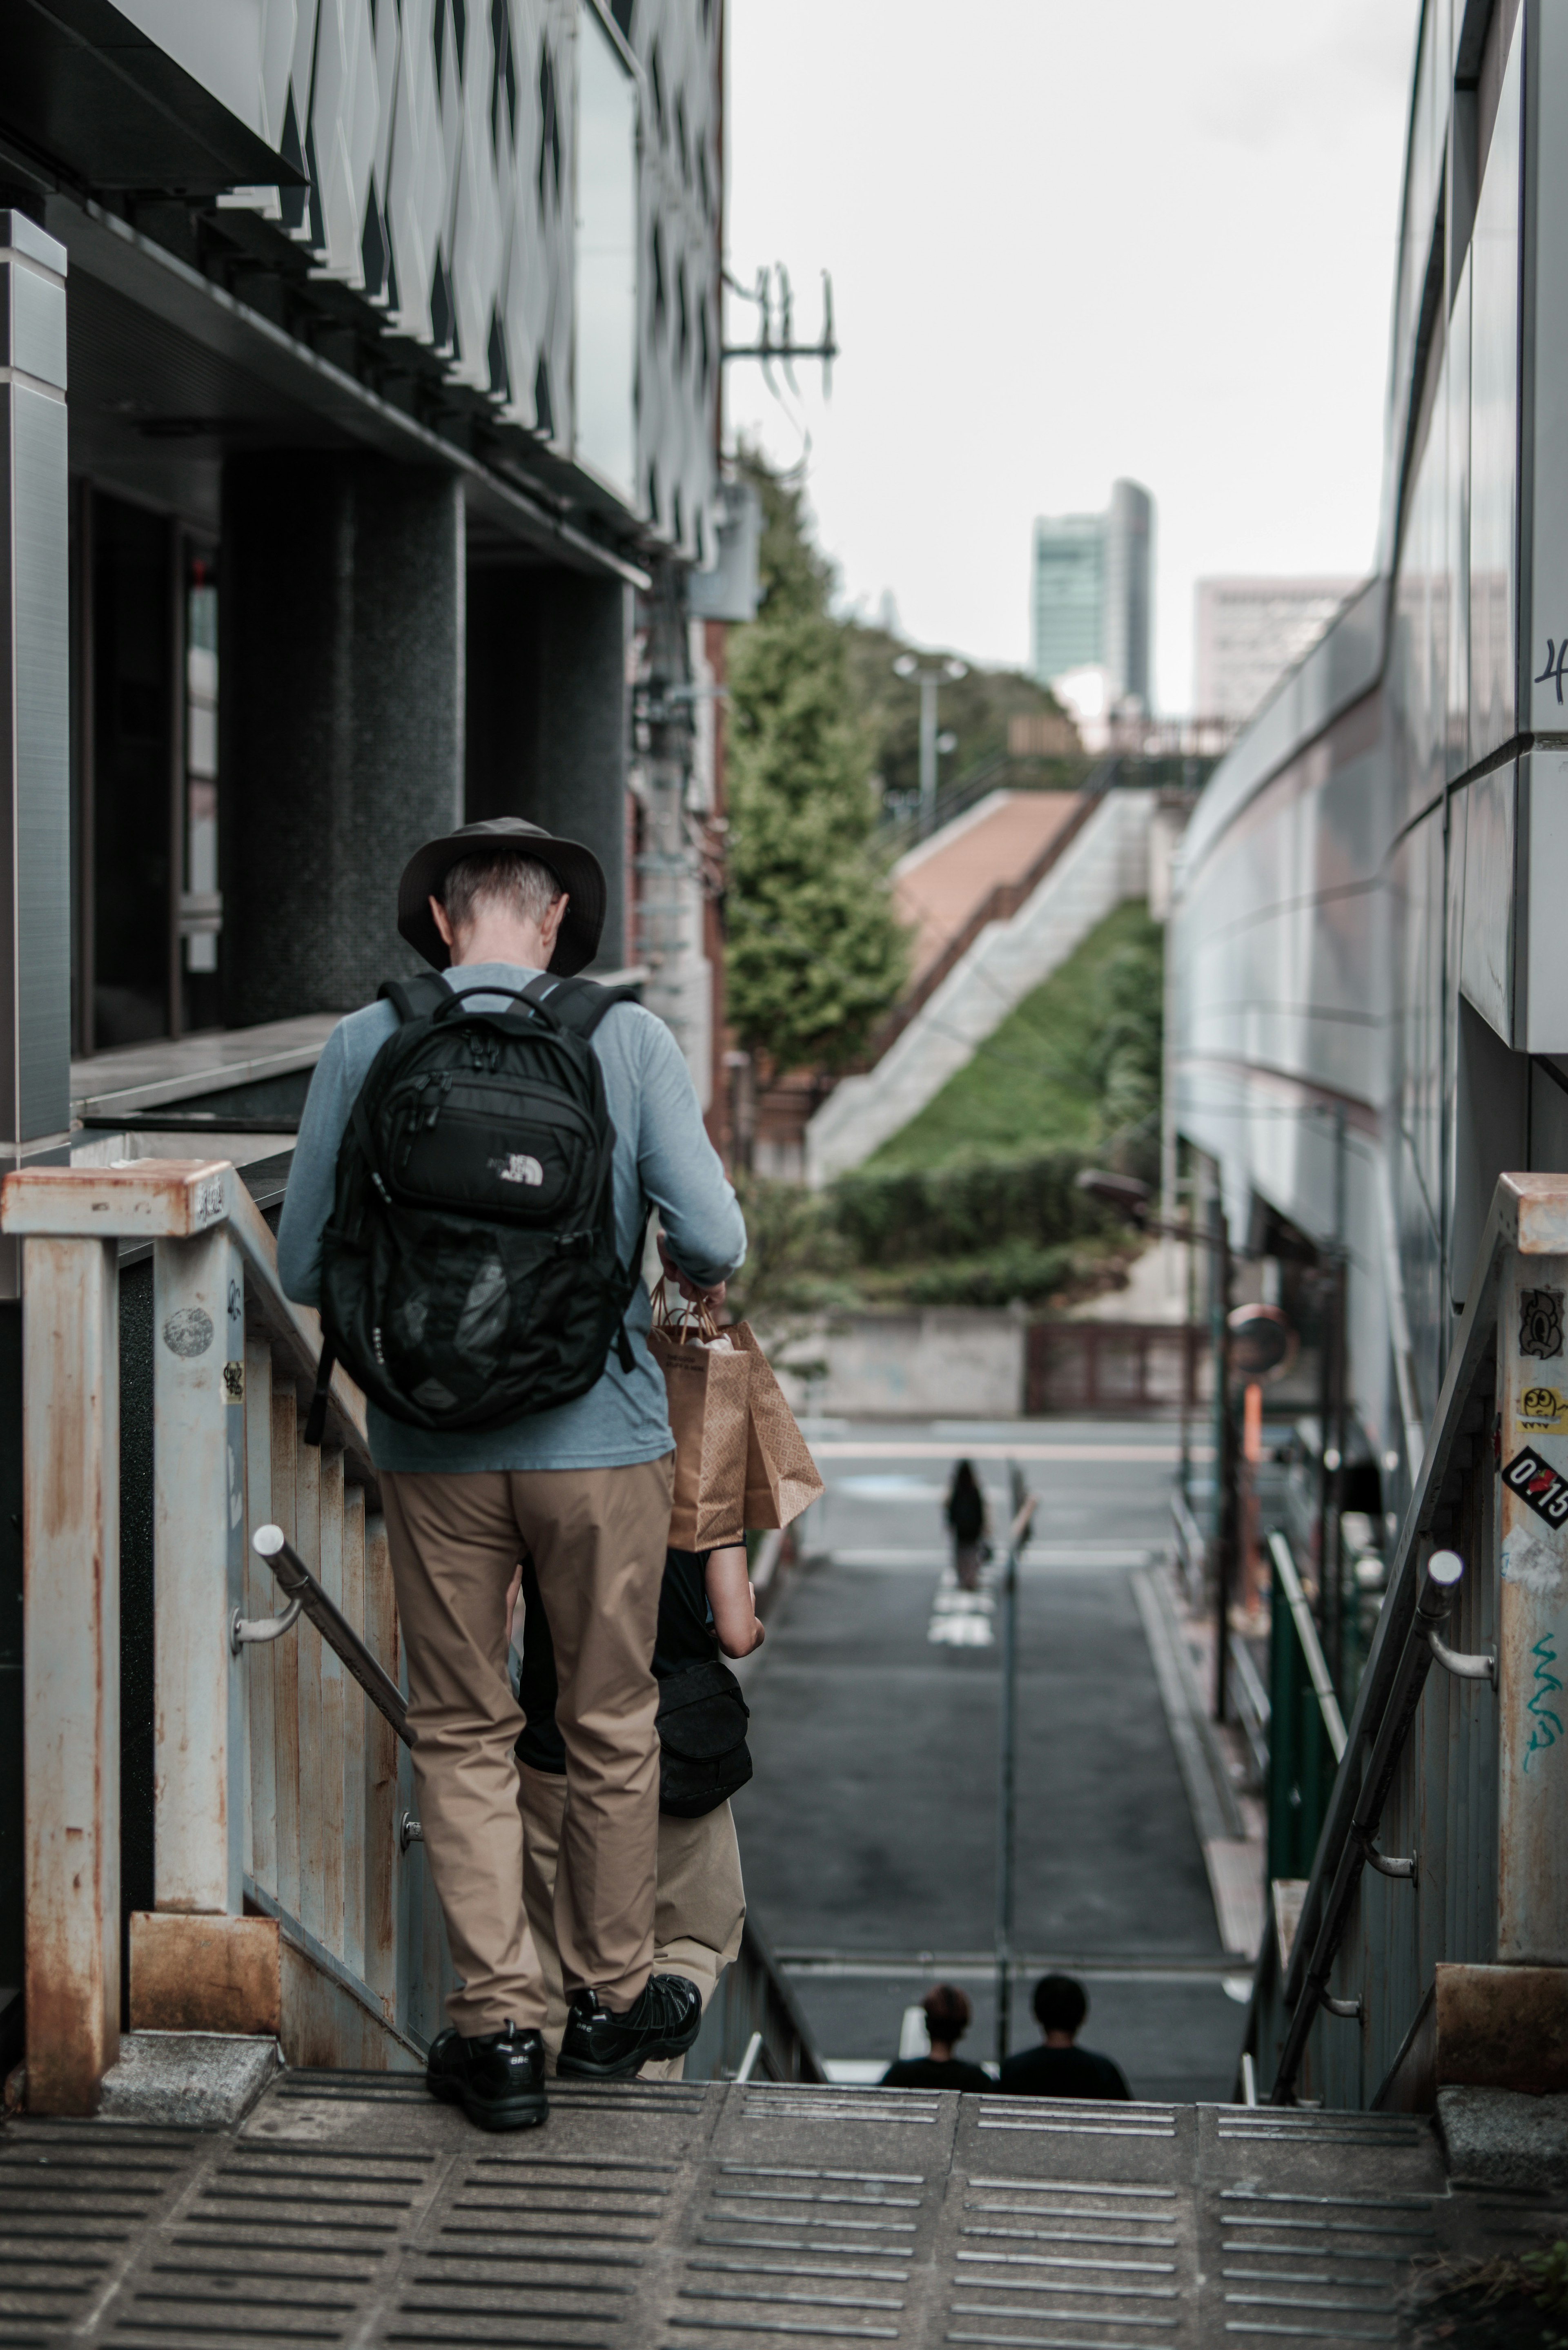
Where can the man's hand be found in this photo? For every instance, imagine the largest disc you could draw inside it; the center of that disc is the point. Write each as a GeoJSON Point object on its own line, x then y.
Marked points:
{"type": "Point", "coordinates": [694, 1295]}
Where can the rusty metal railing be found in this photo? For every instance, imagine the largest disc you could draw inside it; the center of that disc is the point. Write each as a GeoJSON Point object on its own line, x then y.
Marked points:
{"type": "Point", "coordinates": [287, 1897]}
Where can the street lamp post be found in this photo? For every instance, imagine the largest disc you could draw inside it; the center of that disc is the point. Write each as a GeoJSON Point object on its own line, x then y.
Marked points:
{"type": "Point", "coordinates": [907, 666]}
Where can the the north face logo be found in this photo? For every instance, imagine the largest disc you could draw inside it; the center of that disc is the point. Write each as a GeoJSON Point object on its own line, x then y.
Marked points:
{"type": "Point", "coordinates": [518, 1169]}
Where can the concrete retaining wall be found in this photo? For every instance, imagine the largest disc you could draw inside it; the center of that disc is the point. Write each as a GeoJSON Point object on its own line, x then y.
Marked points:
{"type": "Point", "coordinates": [946, 1363]}
{"type": "Point", "coordinates": [1106, 864]}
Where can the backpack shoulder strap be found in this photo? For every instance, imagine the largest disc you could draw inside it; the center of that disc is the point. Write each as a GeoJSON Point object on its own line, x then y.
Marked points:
{"type": "Point", "coordinates": [579, 1004]}
{"type": "Point", "coordinates": [416, 998]}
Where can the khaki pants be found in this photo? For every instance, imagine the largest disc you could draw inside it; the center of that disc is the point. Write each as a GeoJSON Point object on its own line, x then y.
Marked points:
{"type": "Point", "coordinates": [598, 1538]}
{"type": "Point", "coordinates": [701, 1901]}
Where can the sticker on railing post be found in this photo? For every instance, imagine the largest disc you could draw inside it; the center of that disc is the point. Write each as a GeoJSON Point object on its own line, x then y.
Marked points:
{"type": "Point", "coordinates": [1543, 1411]}
{"type": "Point", "coordinates": [1536, 1483]}
{"type": "Point", "coordinates": [1540, 1322]}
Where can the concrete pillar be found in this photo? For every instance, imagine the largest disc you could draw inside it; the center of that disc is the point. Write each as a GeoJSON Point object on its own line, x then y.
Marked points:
{"type": "Point", "coordinates": [34, 691]}
{"type": "Point", "coordinates": [548, 716]}
{"type": "Point", "coordinates": [342, 665]}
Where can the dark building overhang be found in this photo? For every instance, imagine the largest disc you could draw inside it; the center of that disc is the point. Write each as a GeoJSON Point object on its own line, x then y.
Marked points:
{"type": "Point", "coordinates": [88, 97]}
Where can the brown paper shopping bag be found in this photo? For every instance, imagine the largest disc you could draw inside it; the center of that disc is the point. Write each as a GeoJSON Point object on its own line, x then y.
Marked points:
{"type": "Point", "coordinates": [707, 1382]}
{"type": "Point", "coordinates": [781, 1475]}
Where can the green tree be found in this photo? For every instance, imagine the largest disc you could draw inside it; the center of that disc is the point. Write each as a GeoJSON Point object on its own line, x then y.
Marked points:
{"type": "Point", "coordinates": [814, 953]}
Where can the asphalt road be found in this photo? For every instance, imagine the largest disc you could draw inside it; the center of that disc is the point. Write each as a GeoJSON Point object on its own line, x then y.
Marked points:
{"type": "Point", "coordinates": [869, 1833]}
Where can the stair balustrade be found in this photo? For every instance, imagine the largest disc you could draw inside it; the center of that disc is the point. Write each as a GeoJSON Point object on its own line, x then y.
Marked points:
{"type": "Point", "coordinates": [1429, 1946]}
{"type": "Point", "coordinates": [290, 1892]}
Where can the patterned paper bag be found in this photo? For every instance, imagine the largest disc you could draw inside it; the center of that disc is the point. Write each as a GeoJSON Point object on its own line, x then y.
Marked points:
{"type": "Point", "coordinates": [781, 1475]}
{"type": "Point", "coordinates": [707, 1381]}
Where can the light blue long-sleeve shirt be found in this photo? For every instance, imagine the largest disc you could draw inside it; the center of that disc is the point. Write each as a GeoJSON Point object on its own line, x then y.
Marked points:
{"type": "Point", "coordinates": [663, 1159]}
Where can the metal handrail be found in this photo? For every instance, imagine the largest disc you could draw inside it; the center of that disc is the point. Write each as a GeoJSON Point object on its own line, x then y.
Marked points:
{"type": "Point", "coordinates": [1439, 1587]}
{"type": "Point", "coordinates": [1474, 1338]}
{"type": "Point", "coordinates": [1404, 1647]}
{"type": "Point", "coordinates": [301, 1588]}
{"type": "Point", "coordinates": [1306, 1633]}
{"type": "Point", "coordinates": [1017, 1535]}
{"type": "Point", "coordinates": [1252, 1707]}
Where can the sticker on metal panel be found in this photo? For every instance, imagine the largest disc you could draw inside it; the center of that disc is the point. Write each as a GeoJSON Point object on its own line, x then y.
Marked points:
{"type": "Point", "coordinates": [211, 1202]}
{"type": "Point", "coordinates": [1540, 1322]}
{"type": "Point", "coordinates": [234, 1382]}
{"type": "Point", "coordinates": [1543, 1487]}
{"type": "Point", "coordinates": [1543, 1411]}
{"type": "Point", "coordinates": [188, 1331]}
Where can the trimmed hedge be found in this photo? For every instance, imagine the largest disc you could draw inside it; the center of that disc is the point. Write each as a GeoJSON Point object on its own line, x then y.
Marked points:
{"type": "Point", "coordinates": [974, 1208]}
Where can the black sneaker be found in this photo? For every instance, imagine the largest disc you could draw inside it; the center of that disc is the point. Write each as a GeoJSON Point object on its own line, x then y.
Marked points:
{"type": "Point", "coordinates": [497, 2079]}
{"type": "Point", "coordinates": [662, 2021]}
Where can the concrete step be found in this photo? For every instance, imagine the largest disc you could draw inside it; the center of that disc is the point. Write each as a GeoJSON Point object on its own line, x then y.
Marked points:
{"type": "Point", "coordinates": [350, 2208]}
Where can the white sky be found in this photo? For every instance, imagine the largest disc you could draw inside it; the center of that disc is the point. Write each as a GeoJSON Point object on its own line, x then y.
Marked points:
{"type": "Point", "coordinates": [1151, 237]}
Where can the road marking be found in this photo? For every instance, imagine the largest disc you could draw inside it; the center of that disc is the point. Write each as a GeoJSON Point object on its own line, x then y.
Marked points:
{"type": "Point", "coordinates": [1084, 1555]}
{"type": "Point", "coordinates": [1161, 1455]}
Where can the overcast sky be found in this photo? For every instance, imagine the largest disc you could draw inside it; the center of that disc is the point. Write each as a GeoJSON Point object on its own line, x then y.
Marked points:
{"type": "Point", "coordinates": [1071, 242]}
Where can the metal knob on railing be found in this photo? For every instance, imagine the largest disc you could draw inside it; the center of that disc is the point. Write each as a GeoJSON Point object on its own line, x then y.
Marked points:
{"type": "Point", "coordinates": [248, 1632]}
{"type": "Point", "coordinates": [1444, 1572]}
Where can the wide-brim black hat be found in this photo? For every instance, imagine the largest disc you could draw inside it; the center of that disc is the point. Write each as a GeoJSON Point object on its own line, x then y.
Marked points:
{"type": "Point", "coordinates": [576, 868]}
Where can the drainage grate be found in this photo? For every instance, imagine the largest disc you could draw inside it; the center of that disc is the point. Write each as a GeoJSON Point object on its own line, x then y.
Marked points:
{"type": "Point", "coordinates": [1320, 2268]}
{"type": "Point", "coordinates": [75, 2196]}
{"type": "Point", "coordinates": [1043, 2258]}
{"type": "Point", "coordinates": [785, 2247]}
{"type": "Point", "coordinates": [1296, 2126]}
{"type": "Point", "coordinates": [1078, 2118]}
{"type": "Point", "coordinates": [282, 2241]}
{"type": "Point", "coordinates": [813, 2104]}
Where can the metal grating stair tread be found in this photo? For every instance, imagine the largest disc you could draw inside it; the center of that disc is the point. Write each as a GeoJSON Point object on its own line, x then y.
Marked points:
{"type": "Point", "coordinates": [351, 2209]}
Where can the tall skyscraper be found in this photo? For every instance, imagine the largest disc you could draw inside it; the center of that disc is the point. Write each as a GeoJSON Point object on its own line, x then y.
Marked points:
{"type": "Point", "coordinates": [1093, 603]}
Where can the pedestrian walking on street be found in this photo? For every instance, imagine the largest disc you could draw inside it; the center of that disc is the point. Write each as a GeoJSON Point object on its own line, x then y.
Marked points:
{"type": "Point", "coordinates": [706, 1609]}
{"type": "Point", "coordinates": [948, 2017]}
{"type": "Point", "coordinates": [967, 1522]}
{"type": "Point", "coordinates": [1060, 2069]}
{"type": "Point", "coordinates": [476, 1165]}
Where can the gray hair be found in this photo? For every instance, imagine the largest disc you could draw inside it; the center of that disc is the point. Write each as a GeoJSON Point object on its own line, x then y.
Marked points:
{"type": "Point", "coordinates": [503, 878]}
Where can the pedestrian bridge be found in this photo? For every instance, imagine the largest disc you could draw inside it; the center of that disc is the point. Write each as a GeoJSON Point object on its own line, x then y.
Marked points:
{"type": "Point", "coordinates": [1423, 1961]}
{"type": "Point", "coordinates": [350, 2208]}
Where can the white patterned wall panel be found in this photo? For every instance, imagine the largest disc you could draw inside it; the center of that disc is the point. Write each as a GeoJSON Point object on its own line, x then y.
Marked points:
{"type": "Point", "coordinates": [676, 42]}
{"type": "Point", "coordinates": [440, 138]}
{"type": "Point", "coordinates": [536, 269]}
{"type": "Point", "coordinates": [417, 197]}
{"type": "Point", "coordinates": [476, 220]}
{"type": "Point", "coordinates": [344, 111]}
{"type": "Point", "coordinates": [280, 23]}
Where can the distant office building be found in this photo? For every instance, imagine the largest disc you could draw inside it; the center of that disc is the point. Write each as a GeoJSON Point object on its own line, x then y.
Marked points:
{"type": "Point", "coordinates": [1093, 604]}
{"type": "Point", "coordinates": [1069, 594]}
{"type": "Point", "coordinates": [1251, 631]}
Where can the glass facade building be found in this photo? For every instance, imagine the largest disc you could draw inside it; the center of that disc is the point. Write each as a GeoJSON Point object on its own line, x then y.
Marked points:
{"type": "Point", "coordinates": [1092, 596]}
{"type": "Point", "coordinates": [1368, 958]}
{"type": "Point", "coordinates": [1068, 595]}
{"type": "Point", "coordinates": [1368, 942]}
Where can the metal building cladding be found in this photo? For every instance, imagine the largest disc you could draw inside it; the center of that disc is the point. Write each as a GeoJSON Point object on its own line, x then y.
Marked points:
{"type": "Point", "coordinates": [359, 400]}
{"type": "Point", "coordinates": [1369, 996]}
{"type": "Point", "coordinates": [1369, 958]}
{"type": "Point", "coordinates": [393, 355]}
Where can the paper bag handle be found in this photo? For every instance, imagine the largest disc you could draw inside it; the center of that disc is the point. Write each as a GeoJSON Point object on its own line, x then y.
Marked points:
{"type": "Point", "coordinates": [681, 1313]}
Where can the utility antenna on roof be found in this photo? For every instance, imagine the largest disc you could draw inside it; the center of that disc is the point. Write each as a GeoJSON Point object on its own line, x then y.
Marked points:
{"type": "Point", "coordinates": [774, 298]}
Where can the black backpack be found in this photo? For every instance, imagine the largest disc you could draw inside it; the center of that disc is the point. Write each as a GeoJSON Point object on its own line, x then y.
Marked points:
{"type": "Point", "coordinates": [470, 1273]}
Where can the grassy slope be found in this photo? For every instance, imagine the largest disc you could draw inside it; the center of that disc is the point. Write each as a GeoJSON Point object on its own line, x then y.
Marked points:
{"type": "Point", "coordinates": [1031, 1082]}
